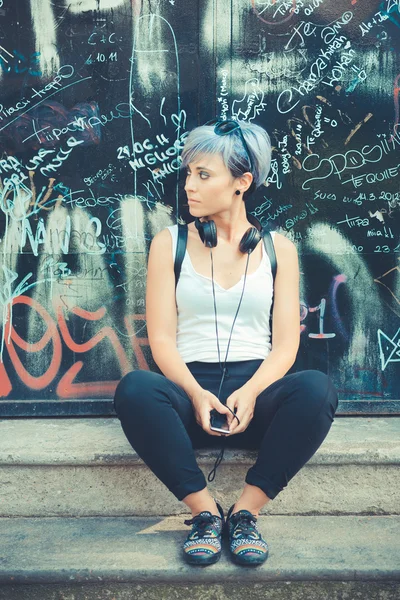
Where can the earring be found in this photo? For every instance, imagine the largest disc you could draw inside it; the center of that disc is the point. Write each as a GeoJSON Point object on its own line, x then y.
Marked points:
{"type": "Point", "coordinates": [237, 192]}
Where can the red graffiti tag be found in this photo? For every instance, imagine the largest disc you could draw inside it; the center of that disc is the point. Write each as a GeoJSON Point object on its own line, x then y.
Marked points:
{"type": "Point", "coordinates": [51, 334]}
{"type": "Point", "coordinates": [66, 387]}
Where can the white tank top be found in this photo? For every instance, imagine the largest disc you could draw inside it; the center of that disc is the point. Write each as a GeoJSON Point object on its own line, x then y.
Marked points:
{"type": "Point", "coordinates": [196, 334]}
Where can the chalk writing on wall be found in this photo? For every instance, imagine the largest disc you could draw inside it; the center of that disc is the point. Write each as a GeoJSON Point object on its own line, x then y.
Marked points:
{"type": "Point", "coordinates": [97, 100]}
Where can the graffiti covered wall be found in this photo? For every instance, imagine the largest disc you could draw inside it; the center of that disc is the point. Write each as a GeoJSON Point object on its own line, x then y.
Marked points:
{"type": "Point", "coordinates": [97, 98]}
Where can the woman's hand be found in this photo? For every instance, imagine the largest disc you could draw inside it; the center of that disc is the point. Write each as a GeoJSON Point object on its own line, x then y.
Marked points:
{"type": "Point", "coordinates": [203, 403]}
{"type": "Point", "coordinates": [244, 402]}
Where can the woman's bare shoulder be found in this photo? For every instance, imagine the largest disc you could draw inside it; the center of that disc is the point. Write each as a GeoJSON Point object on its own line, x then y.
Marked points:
{"type": "Point", "coordinates": [161, 246]}
{"type": "Point", "coordinates": [286, 250]}
{"type": "Point", "coordinates": [281, 242]}
{"type": "Point", "coordinates": [162, 237]}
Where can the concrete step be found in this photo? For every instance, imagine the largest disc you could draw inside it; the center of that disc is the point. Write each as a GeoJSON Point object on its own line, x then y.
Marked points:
{"type": "Point", "coordinates": [86, 467]}
{"type": "Point", "coordinates": [324, 557]}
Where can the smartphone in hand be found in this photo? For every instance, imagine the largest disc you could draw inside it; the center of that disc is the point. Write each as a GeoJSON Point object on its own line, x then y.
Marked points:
{"type": "Point", "coordinates": [218, 422]}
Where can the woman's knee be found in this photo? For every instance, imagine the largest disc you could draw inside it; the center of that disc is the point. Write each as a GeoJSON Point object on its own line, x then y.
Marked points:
{"type": "Point", "coordinates": [134, 387]}
{"type": "Point", "coordinates": [317, 387]}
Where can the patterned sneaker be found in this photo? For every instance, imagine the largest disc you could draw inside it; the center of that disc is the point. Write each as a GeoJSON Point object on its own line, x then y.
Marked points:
{"type": "Point", "coordinates": [246, 545]}
{"type": "Point", "coordinates": [203, 544]}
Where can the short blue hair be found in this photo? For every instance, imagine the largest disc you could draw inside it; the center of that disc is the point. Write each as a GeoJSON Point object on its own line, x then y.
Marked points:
{"type": "Point", "coordinates": [203, 140]}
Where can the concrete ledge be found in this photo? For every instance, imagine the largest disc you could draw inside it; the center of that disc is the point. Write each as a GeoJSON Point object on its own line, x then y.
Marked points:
{"type": "Point", "coordinates": [86, 467]}
{"type": "Point", "coordinates": [148, 550]}
{"type": "Point", "coordinates": [83, 441]}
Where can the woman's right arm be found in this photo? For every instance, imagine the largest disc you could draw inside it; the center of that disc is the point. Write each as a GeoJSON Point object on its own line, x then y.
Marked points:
{"type": "Point", "coordinates": [161, 320]}
{"type": "Point", "coordinates": [161, 314]}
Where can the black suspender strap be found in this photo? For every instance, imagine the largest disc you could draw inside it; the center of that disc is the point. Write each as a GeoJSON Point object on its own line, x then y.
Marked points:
{"type": "Point", "coordinates": [180, 250]}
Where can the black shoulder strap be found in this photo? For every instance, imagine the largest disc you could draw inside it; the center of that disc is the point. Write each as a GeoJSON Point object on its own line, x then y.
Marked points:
{"type": "Point", "coordinates": [180, 250]}
{"type": "Point", "coordinates": [269, 247]}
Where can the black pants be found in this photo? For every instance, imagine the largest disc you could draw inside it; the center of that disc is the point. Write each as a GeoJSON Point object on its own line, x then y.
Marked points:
{"type": "Point", "coordinates": [291, 419]}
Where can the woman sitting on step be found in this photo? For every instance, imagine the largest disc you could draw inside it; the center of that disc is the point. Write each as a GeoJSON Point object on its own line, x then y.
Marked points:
{"type": "Point", "coordinates": [222, 305]}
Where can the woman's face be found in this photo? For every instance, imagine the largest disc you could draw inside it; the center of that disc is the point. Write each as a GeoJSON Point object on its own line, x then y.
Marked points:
{"type": "Point", "coordinates": [210, 187]}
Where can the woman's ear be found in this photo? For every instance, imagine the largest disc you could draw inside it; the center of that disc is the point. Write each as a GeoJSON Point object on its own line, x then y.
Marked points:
{"type": "Point", "coordinates": [244, 182]}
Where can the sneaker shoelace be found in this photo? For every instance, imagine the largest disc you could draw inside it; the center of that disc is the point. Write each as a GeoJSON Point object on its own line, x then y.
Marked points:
{"type": "Point", "coordinates": [202, 525]}
{"type": "Point", "coordinates": [245, 527]}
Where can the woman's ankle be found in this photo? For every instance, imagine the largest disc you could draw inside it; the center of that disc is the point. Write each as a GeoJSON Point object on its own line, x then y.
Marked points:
{"type": "Point", "coordinates": [237, 507]}
{"type": "Point", "coordinates": [200, 502]}
{"type": "Point", "coordinates": [210, 506]}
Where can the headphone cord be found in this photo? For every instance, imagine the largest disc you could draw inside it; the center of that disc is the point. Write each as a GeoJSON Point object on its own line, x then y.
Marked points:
{"type": "Point", "coordinates": [211, 475]}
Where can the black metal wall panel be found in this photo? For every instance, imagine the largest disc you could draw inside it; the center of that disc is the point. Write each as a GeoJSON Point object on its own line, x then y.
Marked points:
{"type": "Point", "coordinates": [97, 97]}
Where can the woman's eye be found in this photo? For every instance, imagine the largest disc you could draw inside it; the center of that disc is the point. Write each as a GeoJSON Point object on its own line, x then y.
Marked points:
{"type": "Point", "coordinates": [203, 174]}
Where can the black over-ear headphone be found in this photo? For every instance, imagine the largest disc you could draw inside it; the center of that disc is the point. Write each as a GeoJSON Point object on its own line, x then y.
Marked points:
{"type": "Point", "coordinates": [208, 234]}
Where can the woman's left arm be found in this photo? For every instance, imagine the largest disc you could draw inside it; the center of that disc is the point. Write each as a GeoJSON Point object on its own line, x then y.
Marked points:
{"type": "Point", "coordinates": [285, 335]}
